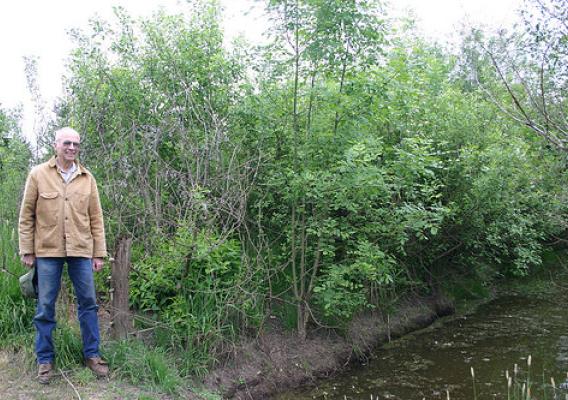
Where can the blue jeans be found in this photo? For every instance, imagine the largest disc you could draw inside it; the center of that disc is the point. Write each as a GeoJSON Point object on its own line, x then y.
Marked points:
{"type": "Point", "coordinates": [80, 270]}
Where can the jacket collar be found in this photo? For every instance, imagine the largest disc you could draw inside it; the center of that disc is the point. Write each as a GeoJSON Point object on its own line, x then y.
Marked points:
{"type": "Point", "coordinates": [81, 170]}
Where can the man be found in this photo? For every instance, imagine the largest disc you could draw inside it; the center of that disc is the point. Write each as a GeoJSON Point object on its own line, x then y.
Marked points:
{"type": "Point", "coordinates": [61, 221]}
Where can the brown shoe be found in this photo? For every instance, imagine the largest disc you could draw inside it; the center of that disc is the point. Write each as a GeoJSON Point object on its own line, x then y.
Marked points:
{"type": "Point", "coordinates": [98, 366]}
{"type": "Point", "coordinates": [44, 373]}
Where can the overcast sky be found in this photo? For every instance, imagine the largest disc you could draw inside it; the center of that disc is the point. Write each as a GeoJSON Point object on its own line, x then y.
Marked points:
{"type": "Point", "coordinates": [39, 28]}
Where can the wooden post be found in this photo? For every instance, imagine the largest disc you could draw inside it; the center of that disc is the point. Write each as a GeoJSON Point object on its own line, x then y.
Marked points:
{"type": "Point", "coordinates": [121, 322]}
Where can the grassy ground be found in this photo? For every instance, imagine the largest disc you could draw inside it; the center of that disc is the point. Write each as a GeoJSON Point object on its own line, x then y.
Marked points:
{"type": "Point", "coordinates": [137, 372]}
{"type": "Point", "coordinates": [18, 382]}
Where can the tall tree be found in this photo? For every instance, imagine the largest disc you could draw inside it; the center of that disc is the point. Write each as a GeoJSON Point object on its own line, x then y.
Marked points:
{"type": "Point", "coordinates": [533, 68]}
{"type": "Point", "coordinates": [319, 46]}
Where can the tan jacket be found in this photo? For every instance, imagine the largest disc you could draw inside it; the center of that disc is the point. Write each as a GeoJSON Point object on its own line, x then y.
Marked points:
{"type": "Point", "coordinates": [59, 219]}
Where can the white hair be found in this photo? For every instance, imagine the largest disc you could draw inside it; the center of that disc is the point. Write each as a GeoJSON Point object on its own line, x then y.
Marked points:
{"type": "Point", "coordinates": [64, 130]}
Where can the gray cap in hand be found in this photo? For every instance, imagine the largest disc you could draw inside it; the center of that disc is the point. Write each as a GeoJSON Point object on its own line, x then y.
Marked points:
{"type": "Point", "coordinates": [28, 284]}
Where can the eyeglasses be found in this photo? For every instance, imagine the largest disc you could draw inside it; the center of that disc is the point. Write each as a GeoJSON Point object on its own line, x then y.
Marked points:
{"type": "Point", "coordinates": [68, 143]}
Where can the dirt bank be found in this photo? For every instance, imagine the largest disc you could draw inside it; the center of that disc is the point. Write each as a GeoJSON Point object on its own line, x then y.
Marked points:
{"type": "Point", "coordinates": [278, 361]}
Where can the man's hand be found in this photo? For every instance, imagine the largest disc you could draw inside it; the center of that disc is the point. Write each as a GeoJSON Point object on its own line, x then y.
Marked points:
{"type": "Point", "coordinates": [28, 260]}
{"type": "Point", "coordinates": [98, 264]}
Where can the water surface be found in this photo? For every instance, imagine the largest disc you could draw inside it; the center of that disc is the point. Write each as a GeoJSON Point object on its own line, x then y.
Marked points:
{"type": "Point", "coordinates": [432, 362]}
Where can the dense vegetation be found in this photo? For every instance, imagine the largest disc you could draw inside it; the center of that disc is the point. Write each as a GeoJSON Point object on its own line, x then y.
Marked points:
{"type": "Point", "coordinates": [313, 178]}
{"type": "Point", "coordinates": [14, 162]}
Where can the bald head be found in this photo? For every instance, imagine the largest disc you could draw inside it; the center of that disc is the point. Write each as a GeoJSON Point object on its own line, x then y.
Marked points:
{"type": "Point", "coordinates": [66, 133]}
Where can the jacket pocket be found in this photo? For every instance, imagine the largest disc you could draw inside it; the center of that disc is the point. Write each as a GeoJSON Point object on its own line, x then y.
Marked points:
{"type": "Point", "coordinates": [79, 203]}
{"type": "Point", "coordinates": [82, 241]}
{"type": "Point", "coordinates": [49, 239]}
{"type": "Point", "coordinates": [47, 211]}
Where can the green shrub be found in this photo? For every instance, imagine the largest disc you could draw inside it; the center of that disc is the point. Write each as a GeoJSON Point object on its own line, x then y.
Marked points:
{"type": "Point", "coordinates": [196, 285]}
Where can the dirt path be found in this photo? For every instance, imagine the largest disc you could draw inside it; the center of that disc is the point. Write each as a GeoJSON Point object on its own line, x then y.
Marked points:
{"type": "Point", "coordinates": [18, 383]}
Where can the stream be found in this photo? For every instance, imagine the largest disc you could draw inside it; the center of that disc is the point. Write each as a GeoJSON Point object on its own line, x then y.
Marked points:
{"type": "Point", "coordinates": [467, 357]}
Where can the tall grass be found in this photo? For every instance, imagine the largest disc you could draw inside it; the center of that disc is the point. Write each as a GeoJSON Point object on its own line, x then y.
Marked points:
{"type": "Point", "coordinates": [134, 361]}
{"type": "Point", "coordinates": [521, 386]}
{"type": "Point", "coordinates": [17, 312]}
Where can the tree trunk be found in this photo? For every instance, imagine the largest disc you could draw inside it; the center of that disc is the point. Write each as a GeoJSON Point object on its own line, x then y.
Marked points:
{"type": "Point", "coordinates": [302, 320]}
{"type": "Point", "coordinates": [121, 322]}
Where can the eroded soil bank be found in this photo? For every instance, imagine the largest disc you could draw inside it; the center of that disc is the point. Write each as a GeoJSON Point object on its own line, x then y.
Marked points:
{"type": "Point", "coordinates": [278, 361]}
